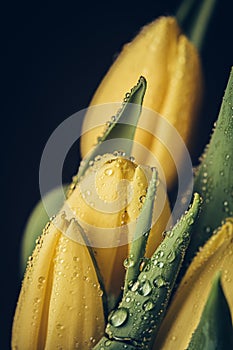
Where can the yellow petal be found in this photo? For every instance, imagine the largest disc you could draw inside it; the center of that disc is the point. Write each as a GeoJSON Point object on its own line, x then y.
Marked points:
{"type": "Point", "coordinates": [186, 308]}
{"type": "Point", "coordinates": [30, 321]}
{"type": "Point", "coordinates": [39, 308]}
{"type": "Point", "coordinates": [75, 318]}
{"type": "Point", "coordinates": [171, 66]}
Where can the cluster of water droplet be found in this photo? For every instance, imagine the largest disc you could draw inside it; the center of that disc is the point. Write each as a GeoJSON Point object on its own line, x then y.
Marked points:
{"type": "Point", "coordinates": [144, 303]}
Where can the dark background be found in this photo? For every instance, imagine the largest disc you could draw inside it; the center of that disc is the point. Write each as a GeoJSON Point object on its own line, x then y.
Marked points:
{"type": "Point", "coordinates": [54, 57]}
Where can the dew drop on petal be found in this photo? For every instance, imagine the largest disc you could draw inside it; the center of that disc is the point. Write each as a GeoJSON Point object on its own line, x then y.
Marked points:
{"type": "Point", "coordinates": [108, 172]}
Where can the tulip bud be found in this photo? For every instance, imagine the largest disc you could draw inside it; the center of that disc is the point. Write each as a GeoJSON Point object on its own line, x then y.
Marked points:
{"type": "Point", "coordinates": [171, 66]}
{"type": "Point", "coordinates": [60, 303]}
{"type": "Point", "coordinates": [107, 202]}
{"type": "Point", "coordinates": [61, 299]}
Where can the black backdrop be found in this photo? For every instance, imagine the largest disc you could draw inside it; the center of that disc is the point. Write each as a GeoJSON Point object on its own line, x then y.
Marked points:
{"type": "Point", "coordinates": [54, 57]}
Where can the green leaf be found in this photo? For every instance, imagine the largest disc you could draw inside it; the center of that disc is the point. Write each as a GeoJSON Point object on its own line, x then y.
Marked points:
{"type": "Point", "coordinates": [142, 308]}
{"type": "Point", "coordinates": [213, 178]}
{"type": "Point", "coordinates": [122, 128]}
{"type": "Point", "coordinates": [143, 226]}
{"type": "Point", "coordinates": [37, 221]}
{"type": "Point", "coordinates": [214, 330]}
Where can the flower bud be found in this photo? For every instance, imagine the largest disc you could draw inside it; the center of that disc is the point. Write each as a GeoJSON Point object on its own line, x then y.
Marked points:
{"type": "Point", "coordinates": [60, 303]}
{"type": "Point", "coordinates": [107, 202]}
{"type": "Point", "coordinates": [171, 66]}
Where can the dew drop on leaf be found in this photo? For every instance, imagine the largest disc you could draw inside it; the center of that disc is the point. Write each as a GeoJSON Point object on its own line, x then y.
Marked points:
{"type": "Point", "coordinates": [118, 317]}
{"type": "Point", "coordinates": [159, 282]}
{"type": "Point", "coordinates": [145, 288]}
{"type": "Point", "coordinates": [107, 343]}
{"type": "Point", "coordinates": [171, 256]}
{"type": "Point", "coordinates": [148, 305]}
{"type": "Point", "coordinates": [128, 262]}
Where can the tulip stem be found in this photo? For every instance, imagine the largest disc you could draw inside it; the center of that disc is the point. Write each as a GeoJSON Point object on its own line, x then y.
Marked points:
{"type": "Point", "coordinates": [200, 27]}
{"type": "Point", "coordinates": [184, 10]}
{"type": "Point", "coordinates": [195, 19]}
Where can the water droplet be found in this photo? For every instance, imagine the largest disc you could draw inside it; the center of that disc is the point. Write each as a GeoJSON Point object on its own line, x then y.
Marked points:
{"type": "Point", "coordinates": [98, 158]}
{"type": "Point", "coordinates": [100, 293]}
{"type": "Point", "coordinates": [190, 220]}
{"type": "Point", "coordinates": [171, 256]}
{"type": "Point", "coordinates": [148, 305]}
{"type": "Point", "coordinates": [207, 229]}
{"type": "Point", "coordinates": [145, 288]}
{"type": "Point", "coordinates": [118, 317]}
{"type": "Point", "coordinates": [36, 300]}
{"type": "Point", "coordinates": [108, 172]}
{"type": "Point", "coordinates": [226, 206]}
{"type": "Point", "coordinates": [107, 343]}
{"type": "Point", "coordinates": [159, 282]}
{"type": "Point", "coordinates": [41, 279]}
{"type": "Point", "coordinates": [169, 234]}
{"type": "Point", "coordinates": [128, 262]}
{"type": "Point", "coordinates": [91, 163]}
{"type": "Point", "coordinates": [127, 299]}
{"type": "Point", "coordinates": [160, 264]}
{"type": "Point", "coordinates": [59, 326]}
{"type": "Point", "coordinates": [76, 258]}
{"type": "Point", "coordinates": [142, 198]}
{"type": "Point", "coordinates": [132, 159]}
{"type": "Point", "coordinates": [135, 286]}
{"type": "Point", "coordinates": [108, 124]}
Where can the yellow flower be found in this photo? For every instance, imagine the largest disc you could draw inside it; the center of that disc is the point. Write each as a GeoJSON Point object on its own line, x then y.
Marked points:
{"type": "Point", "coordinates": [60, 303]}
{"type": "Point", "coordinates": [171, 66]}
{"type": "Point", "coordinates": [186, 308]}
{"type": "Point", "coordinates": [112, 175]}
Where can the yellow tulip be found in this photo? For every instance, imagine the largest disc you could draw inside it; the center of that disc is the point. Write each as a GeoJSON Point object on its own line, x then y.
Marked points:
{"type": "Point", "coordinates": [186, 308]}
{"type": "Point", "coordinates": [111, 175]}
{"type": "Point", "coordinates": [171, 66]}
{"type": "Point", "coordinates": [60, 303]}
